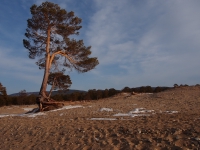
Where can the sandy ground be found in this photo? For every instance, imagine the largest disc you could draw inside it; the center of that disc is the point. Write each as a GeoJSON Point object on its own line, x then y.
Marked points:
{"type": "Point", "coordinates": [162, 121]}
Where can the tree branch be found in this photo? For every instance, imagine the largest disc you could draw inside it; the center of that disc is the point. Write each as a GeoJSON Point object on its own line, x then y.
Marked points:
{"type": "Point", "coordinates": [52, 87]}
{"type": "Point", "coordinates": [63, 54]}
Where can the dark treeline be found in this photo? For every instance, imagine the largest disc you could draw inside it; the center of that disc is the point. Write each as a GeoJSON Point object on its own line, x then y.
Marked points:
{"type": "Point", "coordinates": [145, 89]}
{"type": "Point", "coordinates": [24, 99]}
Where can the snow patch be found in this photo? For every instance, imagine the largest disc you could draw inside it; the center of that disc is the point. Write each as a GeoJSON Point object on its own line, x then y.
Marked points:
{"type": "Point", "coordinates": [106, 109]}
{"type": "Point", "coordinates": [34, 114]}
{"type": "Point", "coordinates": [129, 115]}
{"type": "Point", "coordinates": [23, 115]}
{"type": "Point", "coordinates": [121, 115]}
{"type": "Point", "coordinates": [7, 115]}
{"type": "Point", "coordinates": [67, 107]}
{"type": "Point", "coordinates": [140, 110]}
{"type": "Point", "coordinates": [135, 112]}
{"type": "Point", "coordinates": [103, 119]}
{"type": "Point", "coordinates": [27, 109]}
{"type": "Point", "coordinates": [171, 112]}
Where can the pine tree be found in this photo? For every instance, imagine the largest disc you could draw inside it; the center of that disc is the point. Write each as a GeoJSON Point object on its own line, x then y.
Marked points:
{"type": "Point", "coordinates": [3, 95]}
{"type": "Point", "coordinates": [47, 37]}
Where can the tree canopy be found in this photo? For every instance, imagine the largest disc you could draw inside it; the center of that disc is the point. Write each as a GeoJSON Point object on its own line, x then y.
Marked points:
{"type": "Point", "coordinates": [48, 32]}
{"type": "Point", "coordinates": [58, 80]}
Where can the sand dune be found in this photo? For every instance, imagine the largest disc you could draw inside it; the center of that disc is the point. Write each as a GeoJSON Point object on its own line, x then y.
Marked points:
{"type": "Point", "coordinates": [166, 120]}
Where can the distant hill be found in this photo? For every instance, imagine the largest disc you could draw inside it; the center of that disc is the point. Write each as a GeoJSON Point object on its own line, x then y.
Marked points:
{"type": "Point", "coordinates": [53, 93]}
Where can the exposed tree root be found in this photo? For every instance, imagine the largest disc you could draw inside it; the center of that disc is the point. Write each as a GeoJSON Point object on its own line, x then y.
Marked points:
{"type": "Point", "coordinates": [34, 110]}
{"type": "Point", "coordinates": [46, 104]}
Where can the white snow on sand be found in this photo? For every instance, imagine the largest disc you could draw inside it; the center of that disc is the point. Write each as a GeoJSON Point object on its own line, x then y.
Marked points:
{"type": "Point", "coordinates": [106, 109]}
{"type": "Point", "coordinates": [171, 112]}
{"type": "Point", "coordinates": [7, 115]}
{"type": "Point", "coordinates": [121, 115]}
{"type": "Point", "coordinates": [23, 115]}
{"type": "Point", "coordinates": [140, 110]}
{"type": "Point", "coordinates": [27, 109]}
{"type": "Point", "coordinates": [34, 114]}
{"type": "Point", "coordinates": [136, 112]}
{"type": "Point", "coordinates": [129, 115]}
{"type": "Point", "coordinates": [67, 107]}
{"type": "Point", "coordinates": [103, 119]}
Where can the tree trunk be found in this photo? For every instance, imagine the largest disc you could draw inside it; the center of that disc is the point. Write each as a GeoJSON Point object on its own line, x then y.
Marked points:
{"type": "Point", "coordinates": [44, 102]}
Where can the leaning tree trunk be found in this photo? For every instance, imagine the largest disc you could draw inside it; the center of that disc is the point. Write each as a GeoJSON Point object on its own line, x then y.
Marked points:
{"type": "Point", "coordinates": [44, 101]}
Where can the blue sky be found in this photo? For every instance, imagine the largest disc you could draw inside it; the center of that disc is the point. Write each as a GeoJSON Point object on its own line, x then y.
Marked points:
{"type": "Point", "coordinates": [137, 42]}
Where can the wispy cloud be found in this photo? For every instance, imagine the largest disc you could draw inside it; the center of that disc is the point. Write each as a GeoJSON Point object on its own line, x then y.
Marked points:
{"type": "Point", "coordinates": [149, 41]}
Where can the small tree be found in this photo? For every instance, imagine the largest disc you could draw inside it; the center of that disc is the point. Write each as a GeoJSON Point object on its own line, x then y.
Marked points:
{"type": "Point", "coordinates": [48, 38]}
{"type": "Point", "coordinates": [3, 95]}
{"type": "Point", "coordinates": [126, 89]}
{"type": "Point", "coordinates": [175, 85]}
{"type": "Point", "coordinates": [99, 94]}
{"type": "Point", "coordinates": [92, 94]}
{"type": "Point", "coordinates": [22, 98]}
{"type": "Point", "coordinates": [23, 93]}
{"type": "Point", "coordinates": [112, 92]}
{"type": "Point", "coordinates": [105, 93]}
{"type": "Point", "coordinates": [58, 80]}
{"type": "Point", "coordinates": [148, 89]}
{"type": "Point", "coordinates": [157, 89]}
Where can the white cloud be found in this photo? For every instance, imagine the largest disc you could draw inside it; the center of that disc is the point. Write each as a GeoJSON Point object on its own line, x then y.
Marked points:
{"type": "Point", "coordinates": [149, 41]}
